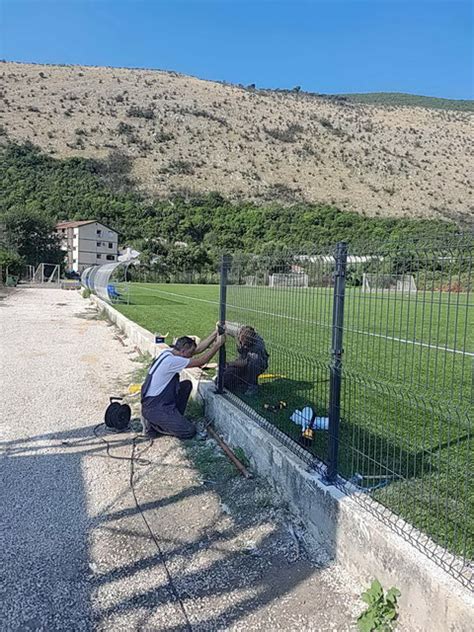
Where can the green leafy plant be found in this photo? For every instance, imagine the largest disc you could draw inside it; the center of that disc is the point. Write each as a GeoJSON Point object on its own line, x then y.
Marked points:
{"type": "Point", "coordinates": [240, 454]}
{"type": "Point", "coordinates": [381, 613]}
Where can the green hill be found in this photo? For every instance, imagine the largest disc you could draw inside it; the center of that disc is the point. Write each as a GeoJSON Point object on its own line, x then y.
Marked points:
{"type": "Point", "coordinates": [79, 188]}
{"type": "Point", "coordinates": [411, 100]}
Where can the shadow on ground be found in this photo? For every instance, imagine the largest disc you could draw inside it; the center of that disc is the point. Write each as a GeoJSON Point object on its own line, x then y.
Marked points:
{"type": "Point", "coordinates": [228, 545]}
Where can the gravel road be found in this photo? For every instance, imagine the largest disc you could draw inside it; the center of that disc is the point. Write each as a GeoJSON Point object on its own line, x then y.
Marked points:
{"type": "Point", "coordinates": [77, 554]}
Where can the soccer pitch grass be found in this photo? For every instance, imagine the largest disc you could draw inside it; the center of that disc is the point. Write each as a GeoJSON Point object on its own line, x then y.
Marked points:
{"type": "Point", "coordinates": [407, 388]}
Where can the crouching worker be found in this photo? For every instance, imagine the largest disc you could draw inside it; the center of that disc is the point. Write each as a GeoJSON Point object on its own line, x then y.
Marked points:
{"type": "Point", "coordinates": [164, 396]}
{"type": "Point", "coordinates": [241, 375]}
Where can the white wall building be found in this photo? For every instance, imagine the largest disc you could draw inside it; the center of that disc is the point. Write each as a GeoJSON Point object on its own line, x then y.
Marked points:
{"type": "Point", "coordinates": [87, 243]}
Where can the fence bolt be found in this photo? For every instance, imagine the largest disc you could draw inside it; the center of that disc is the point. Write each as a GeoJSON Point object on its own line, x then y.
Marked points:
{"type": "Point", "coordinates": [336, 359]}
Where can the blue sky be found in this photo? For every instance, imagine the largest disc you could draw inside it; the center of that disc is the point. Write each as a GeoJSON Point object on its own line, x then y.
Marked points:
{"type": "Point", "coordinates": [422, 47]}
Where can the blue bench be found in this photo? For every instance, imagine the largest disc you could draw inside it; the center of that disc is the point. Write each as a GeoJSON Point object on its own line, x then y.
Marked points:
{"type": "Point", "coordinates": [112, 292]}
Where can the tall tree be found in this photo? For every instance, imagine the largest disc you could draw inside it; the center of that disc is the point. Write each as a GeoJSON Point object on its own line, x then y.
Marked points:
{"type": "Point", "coordinates": [10, 263]}
{"type": "Point", "coordinates": [31, 235]}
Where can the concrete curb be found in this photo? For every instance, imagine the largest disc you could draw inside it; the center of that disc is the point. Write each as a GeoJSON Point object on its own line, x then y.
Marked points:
{"type": "Point", "coordinates": [431, 599]}
{"type": "Point", "coordinates": [139, 336]}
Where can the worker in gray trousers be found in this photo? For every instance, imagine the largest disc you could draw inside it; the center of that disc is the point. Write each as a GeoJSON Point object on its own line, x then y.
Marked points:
{"type": "Point", "coordinates": [164, 396]}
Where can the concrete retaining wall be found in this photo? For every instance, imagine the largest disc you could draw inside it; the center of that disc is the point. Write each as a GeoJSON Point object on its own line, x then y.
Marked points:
{"type": "Point", "coordinates": [142, 338]}
{"type": "Point", "coordinates": [431, 600]}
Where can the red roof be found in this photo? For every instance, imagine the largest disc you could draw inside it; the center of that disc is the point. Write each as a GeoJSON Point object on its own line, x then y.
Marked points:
{"type": "Point", "coordinates": [75, 224]}
{"type": "Point", "coordinates": [82, 222]}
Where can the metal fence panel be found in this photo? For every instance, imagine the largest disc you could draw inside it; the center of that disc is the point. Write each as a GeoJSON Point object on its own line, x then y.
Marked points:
{"type": "Point", "coordinates": [389, 411]}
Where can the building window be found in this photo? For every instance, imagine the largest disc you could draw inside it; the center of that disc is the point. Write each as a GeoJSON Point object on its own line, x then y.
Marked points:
{"type": "Point", "coordinates": [99, 256]}
{"type": "Point", "coordinates": [74, 260]}
{"type": "Point", "coordinates": [99, 233]}
{"type": "Point", "coordinates": [99, 244]}
{"type": "Point", "coordinates": [111, 244]}
{"type": "Point", "coordinates": [110, 258]}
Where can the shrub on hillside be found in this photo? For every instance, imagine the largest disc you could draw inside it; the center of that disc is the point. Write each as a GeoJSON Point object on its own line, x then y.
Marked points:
{"type": "Point", "coordinates": [175, 167]}
{"type": "Point", "coordinates": [287, 135]}
{"type": "Point", "coordinates": [138, 112]}
{"type": "Point", "coordinates": [163, 137]}
{"type": "Point", "coordinates": [79, 188]}
{"type": "Point", "coordinates": [124, 129]}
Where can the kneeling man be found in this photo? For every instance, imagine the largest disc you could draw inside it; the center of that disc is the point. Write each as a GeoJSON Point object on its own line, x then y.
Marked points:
{"type": "Point", "coordinates": [164, 396]}
{"type": "Point", "coordinates": [241, 374]}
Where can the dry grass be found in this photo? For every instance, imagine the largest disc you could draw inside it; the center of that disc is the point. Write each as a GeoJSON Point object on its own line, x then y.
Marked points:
{"type": "Point", "coordinates": [186, 134]}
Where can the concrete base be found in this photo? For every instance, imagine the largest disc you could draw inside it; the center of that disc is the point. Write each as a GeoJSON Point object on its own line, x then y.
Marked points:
{"type": "Point", "coordinates": [143, 339]}
{"type": "Point", "coordinates": [431, 599]}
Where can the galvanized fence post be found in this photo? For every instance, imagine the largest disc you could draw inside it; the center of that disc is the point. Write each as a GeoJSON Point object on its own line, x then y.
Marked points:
{"type": "Point", "coordinates": [336, 359]}
{"type": "Point", "coordinates": [225, 265]}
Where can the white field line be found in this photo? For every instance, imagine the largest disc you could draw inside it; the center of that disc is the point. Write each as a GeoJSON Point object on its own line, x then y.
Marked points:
{"type": "Point", "coordinates": [245, 309]}
{"type": "Point", "coordinates": [193, 298]}
{"type": "Point", "coordinates": [312, 322]}
{"type": "Point", "coordinates": [410, 342]}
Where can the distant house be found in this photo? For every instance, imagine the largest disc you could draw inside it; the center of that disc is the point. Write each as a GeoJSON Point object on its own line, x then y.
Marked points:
{"type": "Point", "coordinates": [87, 243]}
{"type": "Point", "coordinates": [128, 254]}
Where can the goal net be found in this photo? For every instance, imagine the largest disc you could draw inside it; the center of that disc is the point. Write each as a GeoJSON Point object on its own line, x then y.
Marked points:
{"type": "Point", "coordinates": [250, 280]}
{"type": "Point", "coordinates": [292, 279]}
{"type": "Point", "coordinates": [392, 282]}
{"type": "Point", "coordinates": [47, 273]}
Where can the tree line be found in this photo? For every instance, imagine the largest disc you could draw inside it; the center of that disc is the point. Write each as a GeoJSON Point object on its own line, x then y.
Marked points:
{"type": "Point", "coordinates": [182, 232]}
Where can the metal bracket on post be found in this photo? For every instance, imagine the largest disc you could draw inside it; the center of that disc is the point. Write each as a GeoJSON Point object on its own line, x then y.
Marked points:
{"type": "Point", "coordinates": [225, 266]}
{"type": "Point", "coordinates": [336, 361]}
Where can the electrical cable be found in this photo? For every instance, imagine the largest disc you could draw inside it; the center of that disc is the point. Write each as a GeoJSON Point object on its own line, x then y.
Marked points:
{"type": "Point", "coordinates": [119, 458]}
{"type": "Point", "coordinates": [161, 554]}
{"type": "Point", "coordinates": [138, 460]}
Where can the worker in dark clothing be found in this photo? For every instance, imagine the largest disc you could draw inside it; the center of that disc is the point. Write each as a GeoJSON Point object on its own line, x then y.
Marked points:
{"type": "Point", "coordinates": [164, 396]}
{"type": "Point", "coordinates": [241, 375]}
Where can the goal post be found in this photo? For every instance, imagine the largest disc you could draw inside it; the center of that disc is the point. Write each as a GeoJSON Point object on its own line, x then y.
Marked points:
{"type": "Point", "coordinates": [250, 280]}
{"type": "Point", "coordinates": [391, 282]}
{"type": "Point", "coordinates": [47, 273]}
{"type": "Point", "coordinates": [291, 279]}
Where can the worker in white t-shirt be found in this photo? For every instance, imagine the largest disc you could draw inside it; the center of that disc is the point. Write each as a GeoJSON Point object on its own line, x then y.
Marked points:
{"type": "Point", "coordinates": [164, 396]}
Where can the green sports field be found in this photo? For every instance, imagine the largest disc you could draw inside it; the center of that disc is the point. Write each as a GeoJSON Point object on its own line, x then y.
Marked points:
{"type": "Point", "coordinates": [407, 388]}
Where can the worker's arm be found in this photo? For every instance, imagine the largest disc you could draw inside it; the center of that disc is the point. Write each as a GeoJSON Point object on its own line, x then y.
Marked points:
{"type": "Point", "coordinates": [204, 344]}
{"type": "Point", "coordinates": [205, 357]}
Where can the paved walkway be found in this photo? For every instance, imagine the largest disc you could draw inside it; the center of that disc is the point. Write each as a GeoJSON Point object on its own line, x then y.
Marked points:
{"type": "Point", "coordinates": [77, 554]}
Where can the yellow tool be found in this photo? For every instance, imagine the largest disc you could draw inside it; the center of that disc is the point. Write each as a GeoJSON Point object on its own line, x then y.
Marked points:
{"type": "Point", "coordinates": [270, 376]}
{"type": "Point", "coordinates": [134, 389]}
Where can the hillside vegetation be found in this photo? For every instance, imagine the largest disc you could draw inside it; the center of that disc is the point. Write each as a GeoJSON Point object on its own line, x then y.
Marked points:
{"type": "Point", "coordinates": [411, 100]}
{"type": "Point", "coordinates": [183, 135]}
{"type": "Point", "coordinates": [38, 185]}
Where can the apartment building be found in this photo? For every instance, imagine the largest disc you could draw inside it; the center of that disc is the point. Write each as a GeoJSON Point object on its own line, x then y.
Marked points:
{"type": "Point", "coordinates": [87, 243]}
